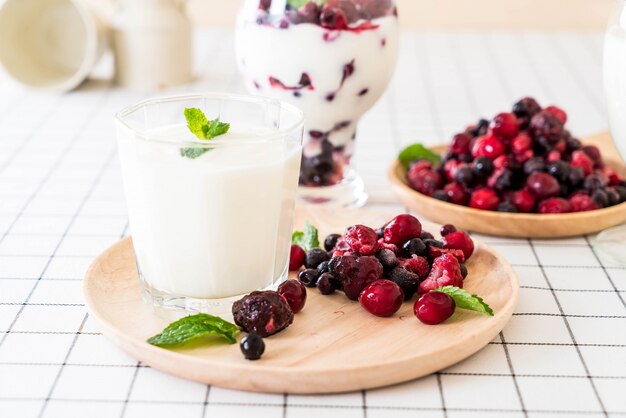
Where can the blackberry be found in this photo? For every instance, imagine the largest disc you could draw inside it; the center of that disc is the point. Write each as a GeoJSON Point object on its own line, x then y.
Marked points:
{"type": "Point", "coordinates": [331, 241]}
{"type": "Point", "coordinates": [407, 281]}
{"type": "Point", "coordinates": [314, 257]}
{"type": "Point", "coordinates": [262, 312]}
{"type": "Point", "coordinates": [415, 246]}
{"type": "Point", "coordinates": [387, 258]}
{"type": "Point", "coordinates": [466, 158]}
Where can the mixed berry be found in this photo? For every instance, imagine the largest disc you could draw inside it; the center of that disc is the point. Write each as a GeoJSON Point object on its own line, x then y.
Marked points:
{"type": "Point", "coordinates": [385, 267]}
{"type": "Point", "coordinates": [523, 161]}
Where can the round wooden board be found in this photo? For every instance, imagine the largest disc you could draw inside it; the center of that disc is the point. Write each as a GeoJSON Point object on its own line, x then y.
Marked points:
{"type": "Point", "coordinates": [333, 345]}
{"type": "Point", "coordinates": [515, 224]}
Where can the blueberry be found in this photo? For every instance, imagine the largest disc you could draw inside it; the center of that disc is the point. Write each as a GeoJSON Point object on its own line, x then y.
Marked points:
{"type": "Point", "coordinates": [504, 181]}
{"type": "Point", "coordinates": [463, 270]}
{"type": "Point", "coordinates": [480, 129]}
{"type": "Point", "coordinates": [465, 176]}
{"type": "Point", "coordinates": [426, 235]}
{"type": "Point", "coordinates": [592, 182]}
{"type": "Point", "coordinates": [331, 241]}
{"type": "Point", "coordinates": [326, 284]}
{"type": "Point", "coordinates": [323, 267]}
{"type": "Point", "coordinates": [252, 346]}
{"type": "Point", "coordinates": [534, 164]}
{"type": "Point", "coordinates": [387, 258]}
{"type": "Point", "coordinates": [433, 243]}
{"type": "Point", "coordinates": [576, 176]}
{"type": "Point", "coordinates": [507, 207]}
{"type": "Point", "coordinates": [441, 195]}
{"type": "Point", "coordinates": [466, 158]}
{"type": "Point", "coordinates": [558, 169]}
{"type": "Point", "coordinates": [621, 190]}
{"type": "Point", "coordinates": [308, 277]}
{"type": "Point", "coordinates": [314, 257]}
{"type": "Point", "coordinates": [415, 246]}
{"type": "Point", "coordinates": [613, 196]}
{"type": "Point", "coordinates": [600, 197]}
{"type": "Point", "coordinates": [483, 166]}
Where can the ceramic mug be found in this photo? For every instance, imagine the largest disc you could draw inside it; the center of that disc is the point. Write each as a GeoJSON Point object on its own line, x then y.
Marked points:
{"type": "Point", "coordinates": [49, 44]}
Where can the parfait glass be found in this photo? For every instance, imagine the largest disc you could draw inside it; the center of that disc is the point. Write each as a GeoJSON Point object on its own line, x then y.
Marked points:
{"type": "Point", "coordinates": [331, 58]}
{"type": "Point", "coordinates": [613, 241]}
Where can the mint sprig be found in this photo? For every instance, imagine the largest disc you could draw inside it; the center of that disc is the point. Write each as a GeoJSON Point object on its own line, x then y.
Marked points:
{"type": "Point", "coordinates": [417, 152]}
{"type": "Point", "coordinates": [193, 327]}
{"type": "Point", "coordinates": [202, 128]}
{"type": "Point", "coordinates": [307, 239]}
{"type": "Point", "coordinates": [466, 300]}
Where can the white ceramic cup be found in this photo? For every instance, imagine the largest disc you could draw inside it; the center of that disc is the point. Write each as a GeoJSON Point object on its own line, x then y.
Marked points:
{"type": "Point", "coordinates": [49, 44]}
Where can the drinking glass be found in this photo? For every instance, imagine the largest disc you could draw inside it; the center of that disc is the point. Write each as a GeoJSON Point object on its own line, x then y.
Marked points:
{"type": "Point", "coordinates": [210, 220]}
{"type": "Point", "coordinates": [331, 59]}
{"type": "Point", "coordinates": [613, 241]}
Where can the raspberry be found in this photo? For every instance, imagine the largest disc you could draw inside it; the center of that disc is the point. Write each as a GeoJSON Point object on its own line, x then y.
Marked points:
{"type": "Point", "coordinates": [445, 271]}
{"type": "Point", "coordinates": [362, 240]}
{"type": "Point", "coordinates": [582, 160]}
{"type": "Point", "coordinates": [554, 205]}
{"type": "Point", "coordinates": [401, 229]}
{"type": "Point", "coordinates": [488, 146]}
{"type": "Point", "coordinates": [416, 264]}
{"type": "Point", "coordinates": [554, 155]}
{"type": "Point", "coordinates": [485, 199]}
{"type": "Point", "coordinates": [434, 252]}
{"type": "Point", "coordinates": [504, 125]}
{"type": "Point", "coordinates": [558, 112]}
{"type": "Point", "coordinates": [523, 200]}
{"type": "Point", "coordinates": [614, 178]}
{"type": "Point", "coordinates": [459, 240]}
{"type": "Point", "coordinates": [582, 202]}
{"type": "Point", "coordinates": [521, 143]}
{"type": "Point", "coordinates": [426, 182]}
{"type": "Point", "coordinates": [545, 124]}
{"type": "Point", "coordinates": [391, 247]}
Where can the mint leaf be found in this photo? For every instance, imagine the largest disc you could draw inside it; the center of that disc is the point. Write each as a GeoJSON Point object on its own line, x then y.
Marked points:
{"type": "Point", "coordinates": [193, 152]}
{"type": "Point", "coordinates": [296, 4]}
{"type": "Point", "coordinates": [306, 239]}
{"type": "Point", "coordinates": [417, 152]}
{"type": "Point", "coordinates": [196, 121]}
{"type": "Point", "coordinates": [215, 128]}
{"type": "Point", "coordinates": [466, 300]}
{"type": "Point", "coordinates": [192, 327]}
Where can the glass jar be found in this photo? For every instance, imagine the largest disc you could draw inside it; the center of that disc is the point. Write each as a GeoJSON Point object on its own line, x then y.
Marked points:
{"type": "Point", "coordinates": [333, 59]}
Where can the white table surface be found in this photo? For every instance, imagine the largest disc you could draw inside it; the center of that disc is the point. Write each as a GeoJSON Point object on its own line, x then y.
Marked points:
{"type": "Point", "coordinates": [562, 354]}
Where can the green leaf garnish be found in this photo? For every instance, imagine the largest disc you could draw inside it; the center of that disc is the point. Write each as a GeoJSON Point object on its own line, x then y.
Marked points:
{"type": "Point", "coordinates": [296, 4]}
{"type": "Point", "coordinates": [202, 128]}
{"type": "Point", "coordinates": [193, 327]}
{"type": "Point", "coordinates": [417, 152]}
{"type": "Point", "coordinates": [466, 300]}
{"type": "Point", "coordinates": [306, 239]}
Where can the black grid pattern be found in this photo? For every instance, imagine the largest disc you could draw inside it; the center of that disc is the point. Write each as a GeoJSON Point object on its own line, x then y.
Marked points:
{"type": "Point", "coordinates": [61, 204]}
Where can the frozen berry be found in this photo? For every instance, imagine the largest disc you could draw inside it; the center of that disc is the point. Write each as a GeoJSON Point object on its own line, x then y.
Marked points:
{"type": "Point", "coordinates": [542, 185]}
{"type": "Point", "coordinates": [401, 229]}
{"type": "Point", "coordinates": [559, 170]}
{"type": "Point", "coordinates": [418, 265]}
{"type": "Point", "coordinates": [545, 124]}
{"type": "Point", "coordinates": [483, 166]}
{"type": "Point", "coordinates": [445, 271]}
{"type": "Point", "coordinates": [407, 280]}
{"type": "Point", "coordinates": [576, 176]}
{"type": "Point", "coordinates": [331, 241]}
{"type": "Point", "coordinates": [558, 112]}
{"type": "Point", "coordinates": [387, 258]}
{"type": "Point", "coordinates": [485, 199]}
{"type": "Point", "coordinates": [262, 312]}
{"type": "Point", "coordinates": [333, 18]}
{"type": "Point", "coordinates": [460, 144]}
{"type": "Point", "coordinates": [381, 298]}
{"type": "Point", "coordinates": [582, 160]}
{"type": "Point", "coordinates": [425, 182]}
{"type": "Point", "coordinates": [504, 125]}
{"type": "Point", "coordinates": [446, 229]}
{"type": "Point", "coordinates": [431, 242]}
{"type": "Point", "coordinates": [600, 197]}
{"type": "Point", "coordinates": [414, 246]}
{"type": "Point", "coordinates": [594, 154]}
{"type": "Point", "coordinates": [296, 257]}
{"type": "Point", "coordinates": [368, 270]}
{"type": "Point", "coordinates": [434, 307]}
{"type": "Point", "coordinates": [554, 205]}
{"type": "Point", "coordinates": [507, 207]}
{"type": "Point", "coordinates": [252, 346]}
{"type": "Point", "coordinates": [593, 182]}
{"type": "Point", "coordinates": [459, 240]}
{"type": "Point", "coordinates": [294, 293]}
{"type": "Point", "coordinates": [479, 129]}
{"type": "Point", "coordinates": [426, 235]}
{"type": "Point", "coordinates": [308, 277]}
{"type": "Point", "coordinates": [362, 240]}
{"type": "Point", "coordinates": [464, 271]}
{"type": "Point", "coordinates": [526, 107]}
{"type": "Point", "coordinates": [523, 200]}
{"type": "Point", "coordinates": [488, 146]}
{"type": "Point", "coordinates": [343, 267]}
{"type": "Point", "coordinates": [501, 180]}
{"type": "Point", "coordinates": [326, 284]}
{"type": "Point", "coordinates": [465, 176]}
{"type": "Point", "coordinates": [582, 202]}
{"type": "Point", "coordinates": [323, 267]}
{"type": "Point", "coordinates": [534, 164]}
{"type": "Point", "coordinates": [456, 193]}
{"type": "Point", "coordinates": [521, 143]}
{"type": "Point", "coordinates": [314, 257]}
{"type": "Point", "coordinates": [441, 195]}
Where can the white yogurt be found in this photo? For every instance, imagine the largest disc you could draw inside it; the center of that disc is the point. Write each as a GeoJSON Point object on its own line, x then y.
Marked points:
{"type": "Point", "coordinates": [266, 51]}
{"type": "Point", "coordinates": [615, 81]}
{"type": "Point", "coordinates": [212, 227]}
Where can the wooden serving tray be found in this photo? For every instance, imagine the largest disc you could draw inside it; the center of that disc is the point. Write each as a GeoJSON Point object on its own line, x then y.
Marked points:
{"type": "Point", "coordinates": [515, 224]}
{"type": "Point", "coordinates": [333, 345]}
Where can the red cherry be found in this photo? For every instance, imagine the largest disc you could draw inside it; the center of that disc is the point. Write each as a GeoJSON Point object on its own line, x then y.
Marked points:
{"type": "Point", "coordinates": [594, 154]}
{"type": "Point", "coordinates": [382, 298]}
{"type": "Point", "coordinates": [460, 144]}
{"type": "Point", "coordinates": [294, 293]}
{"type": "Point", "coordinates": [459, 240]}
{"type": "Point", "coordinates": [296, 258]}
{"type": "Point", "coordinates": [485, 199]}
{"type": "Point", "coordinates": [521, 143]}
{"type": "Point", "coordinates": [401, 229]}
{"type": "Point", "coordinates": [554, 205]}
{"type": "Point", "coordinates": [582, 202]}
{"type": "Point", "coordinates": [542, 185]}
{"type": "Point", "coordinates": [523, 200]}
{"type": "Point", "coordinates": [434, 307]}
{"type": "Point", "coordinates": [504, 125]}
{"type": "Point", "coordinates": [558, 112]}
{"type": "Point", "coordinates": [456, 193]}
{"type": "Point", "coordinates": [488, 146]}
{"type": "Point", "coordinates": [582, 160]}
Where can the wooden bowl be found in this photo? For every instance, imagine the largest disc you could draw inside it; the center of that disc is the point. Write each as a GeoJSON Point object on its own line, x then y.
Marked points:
{"type": "Point", "coordinates": [529, 225]}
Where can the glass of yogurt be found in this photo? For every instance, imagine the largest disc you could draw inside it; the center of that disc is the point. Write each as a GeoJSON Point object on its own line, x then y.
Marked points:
{"type": "Point", "coordinates": [613, 241]}
{"type": "Point", "coordinates": [210, 220]}
{"type": "Point", "coordinates": [331, 58]}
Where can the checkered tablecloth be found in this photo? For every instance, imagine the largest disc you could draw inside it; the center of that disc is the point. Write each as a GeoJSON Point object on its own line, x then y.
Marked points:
{"type": "Point", "coordinates": [562, 354]}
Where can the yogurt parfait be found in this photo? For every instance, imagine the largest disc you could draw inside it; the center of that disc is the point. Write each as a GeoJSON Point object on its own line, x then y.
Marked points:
{"type": "Point", "coordinates": [333, 59]}
{"type": "Point", "coordinates": [210, 184]}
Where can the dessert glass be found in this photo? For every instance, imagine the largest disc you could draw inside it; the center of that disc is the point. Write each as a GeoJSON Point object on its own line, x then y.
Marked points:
{"type": "Point", "coordinates": [207, 230]}
{"type": "Point", "coordinates": [613, 241]}
{"type": "Point", "coordinates": [333, 61]}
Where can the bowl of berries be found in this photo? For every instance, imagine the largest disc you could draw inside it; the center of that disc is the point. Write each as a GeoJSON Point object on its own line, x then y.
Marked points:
{"type": "Point", "coordinates": [522, 174]}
